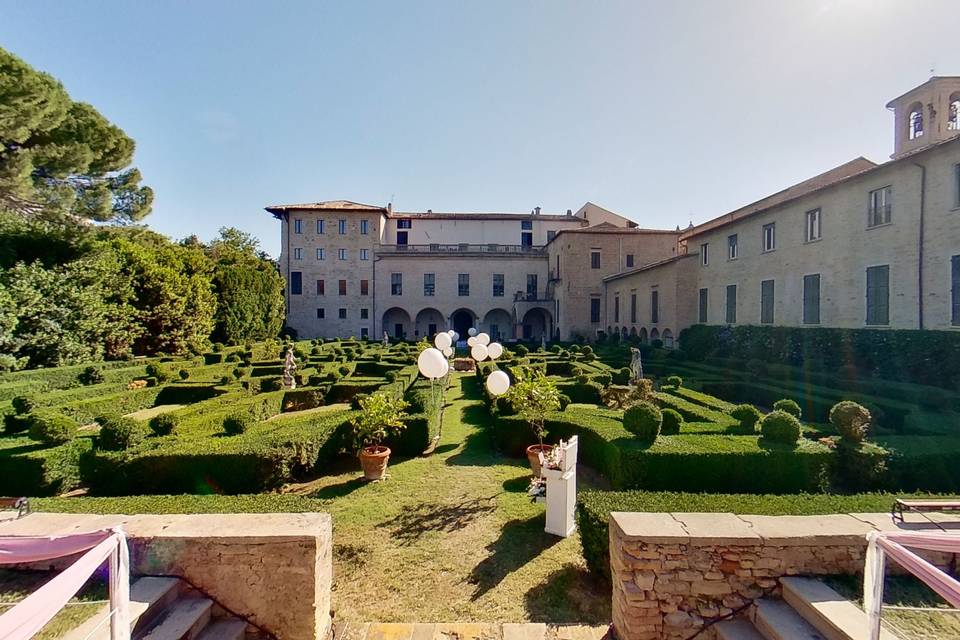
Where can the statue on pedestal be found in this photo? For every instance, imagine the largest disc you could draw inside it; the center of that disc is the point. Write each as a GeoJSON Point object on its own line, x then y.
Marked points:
{"type": "Point", "coordinates": [386, 339]}
{"type": "Point", "coordinates": [289, 367]}
{"type": "Point", "coordinates": [636, 366]}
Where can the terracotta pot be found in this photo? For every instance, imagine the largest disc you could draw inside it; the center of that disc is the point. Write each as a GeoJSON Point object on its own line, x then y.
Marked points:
{"type": "Point", "coordinates": [374, 462]}
{"type": "Point", "coordinates": [533, 455]}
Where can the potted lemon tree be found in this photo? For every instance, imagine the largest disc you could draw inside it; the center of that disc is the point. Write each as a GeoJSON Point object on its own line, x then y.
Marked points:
{"type": "Point", "coordinates": [380, 415]}
{"type": "Point", "coordinates": [533, 396]}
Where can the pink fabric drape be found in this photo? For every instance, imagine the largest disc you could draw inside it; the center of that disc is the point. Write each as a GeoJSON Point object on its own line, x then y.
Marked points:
{"type": "Point", "coordinates": [29, 616]}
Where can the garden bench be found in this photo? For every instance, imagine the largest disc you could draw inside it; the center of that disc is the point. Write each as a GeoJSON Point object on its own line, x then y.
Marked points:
{"type": "Point", "coordinates": [922, 506]}
{"type": "Point", "coordinates": [22, 505]}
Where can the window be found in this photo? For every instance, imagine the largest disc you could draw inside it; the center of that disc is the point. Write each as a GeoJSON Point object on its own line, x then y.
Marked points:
{"type": "Point", "coordinates": [953, 114]}
{"type": "Point", "coordinates": [342, 226]}
{"type": "Point", "coordinates": [878, 295]}
{"type": "Point", "coordinates": [494, 331]}
{"type": "Point", "coordinates": [364, 332]}
{"type": "Point", "coordinates": [629, 261]}
{"type": "Point", "coordinates": [654, 307]}
{"type": "Point", "coordinates": [342, 287]}
{"type": "Point", "coordinates": [298, 226]}
{"type": "Point", "coordinates": [526, 237]}
{"type": "Point", "coordinates": [396, 284]}
{"type": "Point", "coordinates": [298, 253]}
{"type": "Point", "coordinates": [321, 254]}
{"type": "Point", "coordinates": [915, 122]}
{"type": "Point", "coordinates": [881, 201]}
{"type": "Point", "coordinates": [811, 299]}
{"type": "Point", "coordinates": [732, 250]}
{"type": "Point", "coordinates": [296, 283]}
{"type": "Point", "coordinates": [595, 259]}
{"type": "Point", "coordinates": [702, 308]}
{"type": "Point", "coordinates": [594, 309]}
{"type": "Point", "coordinates": [342, 313]}
{"type": "Point", "coordinates": [955, 291]}
{"type": "Point", "coordinates": [320, 287]}
{"type": "Point", "coordinates": [531, 286]}
{"type": "Point", "coordinates": [463, 284]}
{"type": "Point", "coordinates": [526, 225]}
{"type": "Point", "coordinates": [364, 254]}
{"type": "Point", "coordinates": [364, 287]}
{"type": "Point", "coordinates": [403, 224]}
{"type": "Point", "coordinates": [342, 254]}
{"type": "Point", "coordinates": [498, 285]}
{"type": "Point", "coordinates": [551, 234]}
{"type": "Point", "coordinates": [402, 238]}
{"type": "Point", "coordinates": [616, 308]}
{"type": "Point", "coordinates": [731, 304]}
{"type": "Point", "coordinates": [320, 227]}
{"type": "Point", "coordinates": [429, 284]}
{"type": "Point", "coordinates": [364, 227]}
{"type": "Point", "coordinates": [813, 225]}
{"type": "Point", "coordinates": [321, 314]}
{"type": "Point", "coordinates": [364, 313]}
{"type": "Point", "coordinates": [956, 185]}
{"type": "Point", "coordinates": [769, 237]}
{"type": "Point", "coordinates": [705, 254]}
{"type": "Point", "coordinates": [633, 308]}
{"type": "Point", "coordinates": [766, 301]}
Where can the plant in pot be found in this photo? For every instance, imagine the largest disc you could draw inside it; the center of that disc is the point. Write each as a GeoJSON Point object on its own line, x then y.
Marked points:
{"type": "Point", "coordinates": [380, 415]}
{"type": "Point", "coordinates": [533, 397]}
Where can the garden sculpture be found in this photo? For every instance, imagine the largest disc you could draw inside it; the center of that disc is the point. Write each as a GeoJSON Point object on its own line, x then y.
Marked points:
{"type": "Point", "coordinates": [289, 366]}
{"type": "Point", "coordinates": [636, 366]}
{"type": "Point", "coordinates": [386, 339]}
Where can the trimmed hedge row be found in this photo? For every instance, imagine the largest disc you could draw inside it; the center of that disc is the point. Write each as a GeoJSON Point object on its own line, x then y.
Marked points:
{"type": "Point", "coordinates": [692, 412]}
{"type": "Point", "coordinates": [33, 469]}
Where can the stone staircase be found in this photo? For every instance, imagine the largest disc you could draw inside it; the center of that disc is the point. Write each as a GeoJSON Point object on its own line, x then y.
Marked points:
{"type": "Point", "coordinates": [169, 609]}
{"type": "Point", "coordinates": [810, 610]}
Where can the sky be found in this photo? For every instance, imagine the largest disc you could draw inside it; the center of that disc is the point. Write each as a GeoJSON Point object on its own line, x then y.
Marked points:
{"type": "Point", "coordinates": [666, 112]}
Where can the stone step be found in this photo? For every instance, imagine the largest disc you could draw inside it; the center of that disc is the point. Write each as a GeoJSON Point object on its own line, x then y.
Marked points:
{"type": "Point", "coordinates": [738, 629]}
{"type": "Point", "coordinates": [776, 620]}
{"type": "Point", "coordinates": [226, 629]}
{"type": "Point", "coordinates": [149, 596]}
{"type": "Point", "coordinates": [183, 620]}
{"type": "Point", "coordinates": [833, 615]}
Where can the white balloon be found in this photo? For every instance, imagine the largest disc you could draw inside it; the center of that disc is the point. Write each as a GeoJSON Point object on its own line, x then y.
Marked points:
{"type": "Point", "coordinates": [471, 341]}
{"type": "Point", "coordinates": [451, 333]}
{"type": "Point", "coordinates": [497, 383]}
{"type": "Point", "coordinates": [442, 341]}
{"type": "Point", "coordinates": [494, 350]}
{"type": "Point", "coordinates": [431, 363]}
{"type": "Point", "coordinates": [471, 331]}
{"type": "Point", "coordinates": [445, 369]}
{"type": "Point", "coordinates": [448, 352]}
{"type": "Point", "coordinates": [479, 352]}
{"type": "Point", "coordinates": [455, 336]}
{"type": "Point", "coordinates": [483, 339]}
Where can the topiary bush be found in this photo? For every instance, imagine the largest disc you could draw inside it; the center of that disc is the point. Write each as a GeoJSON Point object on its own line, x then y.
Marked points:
{"type": "Point", "coordinates": [780, 426]}
{"type": "Point", "coordinates": [118, 433]}
{"type": "Point", "coordinates": [789, 406]}
{"type": "Point", "coordinates": [675, 381]}
{"type": "Point", "coordinates": [156, 371]}
{"type": "Point", "coordinates": [91, 375]}
{"type": "Point", "coordinates": [564, 401]}
{"type": "Point", "coordinates": [603, 378]}
{"type": "Point", "coordinates": [622, 375]}
{"type": "Point", "coordinates": [184, 374]}
{"type": "Point", "coordinates": [343, 370]}
{"type": "Point", "coordinates": [237, 423]}
{"type": "Point", "coordinates": [357, 401]}
{"type": "Point", "coordinates": [238, 373]}
{"type": "Point", "coordinates": [51, 427]}
{"type": "Point", "coordinates": [851, 420]}
{"type": "Point", "coordinates": [582, 379]}
{"type": "Point", "coordinates": [23, 404]}
{"type": "Point", "coordinates": [643, 420]}
{"type": "Point", "coordinates": [522, 350]}
{"type": "Point", "coordinates": [747, 417]}
{"type": "Point", "coordinates": [672, 421]}
{"type": "Point", "coordinates": [391, 376]}
{"type": "Point", "coordinates": [224, 380]}
{"type": "Point", "coordinates": [164, 424]}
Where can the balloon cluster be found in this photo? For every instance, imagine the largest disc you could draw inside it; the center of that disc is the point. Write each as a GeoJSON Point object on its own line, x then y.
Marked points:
{"type": "Point", "coordinates": [433, 361]}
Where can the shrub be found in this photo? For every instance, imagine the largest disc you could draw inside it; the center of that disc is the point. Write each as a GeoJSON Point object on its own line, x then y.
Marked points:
{"type": "Point", "coordinates": [356, 402]}
{"type": "Point", "coordinates": [237, 423]}
{"type": "Point", "coordinates": [51, 427]}
{"type": "Point", "coordinates": [587, 349]}
{"type": "Point", "coordinates": [238, 373]}
{"type": "Point", "coordinates": [564, 401]}
{"type": "Point", "coordinates": [603, 378]}
{"type": "Point", "coordinates": [184, 374]}
{"type": "Point", "coordinates": [672, 421]}
{"type": "Point", "coordinates": [380, 415]}
{"type": "Point", "coordinates": [657, 344]}
{"type": "Point", "coordinates": [118, 433]}
{"type": "Point", "coordinates": [391, 376]}
{"type": "Point", "coordinates": [555, 349]}
{"type": "Point", "coordinates": [851, 420]}
{"type": "Point", "coordinates": [217, 347]}
{"type": "Point", "coordinates": [156, 371]}
{"type": "Point", "coordinates": [643, 420]}
{"type": "Point", "coordinates": [780, 426]}
{"type": "Point", "coordinates": [747, 416]}
{"type": "Point", "coordinates": [91, 375]}
{"type": "Point", "coordinates": [23, 404]}
{"type": "Point", "coordinates": [589, 357]}
{"type": "Point", "coordinates": [343, 370]}
{"type": "Point", "coordinates": [675, 381]}
{"type": "Point", "coordinates": [223, 380]}
{"type": "Point", "coordinates": [233, 357]}
{"type": "Point", "coordinates": [522, 350]}
{"type": "Point", "coordinates": [756, 367]}
{"type": "Point", "coordinates": [574, 348]}
{"type": "Point", "coordinates": [789, 406]}
{"type": "Point", "coordinates": [164, 424]}
{"type": "Point", "coordinates": [622, 376]}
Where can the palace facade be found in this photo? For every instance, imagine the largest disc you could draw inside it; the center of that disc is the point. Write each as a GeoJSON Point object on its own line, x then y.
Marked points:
{"type": "Point", "coordinates": [861, 245]}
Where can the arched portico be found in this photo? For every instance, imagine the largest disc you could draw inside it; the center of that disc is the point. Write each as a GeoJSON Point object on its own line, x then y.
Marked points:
{"type": "Point", "coordinates": [667, 338]}
{"type": "Point", "coordinates": [429, 322]}
{"type": "Point", "coordinates": [654, 334]}
{"type": "Point", "coordinates": [462, 320]}
{"type": "Point", "coordinates": [498, 323]}
{"type": "Point", "coordinates": [536, 324]}
{"type": "Point", "coordinates": [396, 323]}
{"type": "Point", "coordinates": [642, 334]}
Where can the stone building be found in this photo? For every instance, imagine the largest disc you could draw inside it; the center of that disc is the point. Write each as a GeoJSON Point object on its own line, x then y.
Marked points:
{"type": "Point", "coordinates": [861, 245]}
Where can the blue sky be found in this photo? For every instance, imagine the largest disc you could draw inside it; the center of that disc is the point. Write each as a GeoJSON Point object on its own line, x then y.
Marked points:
{"type": "Point", "coordinates": [663, 111]}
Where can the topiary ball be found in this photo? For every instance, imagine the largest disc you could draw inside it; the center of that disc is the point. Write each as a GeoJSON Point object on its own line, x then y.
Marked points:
{"type": "Point", "coordinates": [675, 381]}
{"type": "Point", "coordinates": [164, 424]}
{"type": "Point", "coordinates": [851, 420]}
{"type": "Point", "coordinates": [564, 401]}
{"type": "Point", "coordinates": [224, 380]}
{"type": "Point", "coordinates": [91, 375]}
{"type": "Point", "coordinates": [237, 423]}
{"type": "Point", "coordinates": [643, 420]}
{"type": "Point", "coordinates": [343, 370]}
{"type": "Point", "coordinates": [789, 406]}
{"type": "Point", "coordinates": [391, 376]}
{"type": "Point", "coordinates": [184, 374]}
{"type": "Point", "coordinates": [23, 404]}
{"type": "Point", "coordinates": [118, 433]}
{"type": "Point", "coordinates": [51, 427]}
{"type": "Point", "coordinates": [780, 426]}
{"type": "Point", "coordinates": [748, 416]}
{"type": "Point", "coordinates": [672, 421]}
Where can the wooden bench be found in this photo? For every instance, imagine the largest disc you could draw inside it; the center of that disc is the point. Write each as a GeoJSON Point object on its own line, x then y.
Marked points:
{"type": "Point", "coordinates": [922, 506]}
{"type": "Point", "coordinates": [22, 505]}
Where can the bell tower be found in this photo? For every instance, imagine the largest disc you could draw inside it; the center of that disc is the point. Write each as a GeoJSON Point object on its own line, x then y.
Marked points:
{"type": "Point", "coordinates": [926, 115]}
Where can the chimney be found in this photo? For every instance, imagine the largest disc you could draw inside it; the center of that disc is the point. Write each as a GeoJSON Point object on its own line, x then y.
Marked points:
{"type": "Point", "coordinates": [389, 207]}
{"type": "Point", "coordinates": [569, 212]}
{"type": "Point", "coordinates": [429, 210]}
{"type": "Point", "coordinates": [536, 211]}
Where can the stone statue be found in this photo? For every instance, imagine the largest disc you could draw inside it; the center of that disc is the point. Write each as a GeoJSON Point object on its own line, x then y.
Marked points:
{"type": "Point", "coordinates": [386, 339]}
{"type": "Point", "coordinates": [543, 342]}
{"type": "Point", "coordinates": [636, 366]}
{"type": "Point", "coordinates": [289, 367]}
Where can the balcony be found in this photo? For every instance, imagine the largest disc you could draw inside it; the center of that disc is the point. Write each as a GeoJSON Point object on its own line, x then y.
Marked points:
{"type": "Point", "coordinates": [462, 249]}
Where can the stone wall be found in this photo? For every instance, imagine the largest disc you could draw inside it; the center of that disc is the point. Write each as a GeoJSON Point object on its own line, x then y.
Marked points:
{"type": "Point", "coordinates": [274, 569]}
{"type": "Point", "coordinates": [674, 573]}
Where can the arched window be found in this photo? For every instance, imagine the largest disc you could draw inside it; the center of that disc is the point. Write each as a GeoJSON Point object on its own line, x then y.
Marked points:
{"type": "Point", "coordinates": [915, 122]}
{"type": "Point", "coordinates": [953, 116]}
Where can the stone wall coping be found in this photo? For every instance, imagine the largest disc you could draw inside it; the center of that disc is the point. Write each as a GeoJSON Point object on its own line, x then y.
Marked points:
{"type": "Point", "coordinates": [707, 529]}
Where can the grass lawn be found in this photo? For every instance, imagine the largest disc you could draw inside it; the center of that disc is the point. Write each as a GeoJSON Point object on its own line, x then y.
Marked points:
{"type": "Point", "coordinates": [16, 585]}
